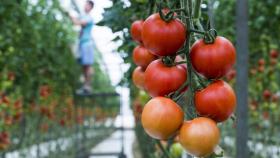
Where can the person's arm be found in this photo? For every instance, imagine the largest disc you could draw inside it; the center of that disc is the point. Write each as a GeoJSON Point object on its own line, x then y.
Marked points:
{"type": "Point", "coordinates": [76, 21]}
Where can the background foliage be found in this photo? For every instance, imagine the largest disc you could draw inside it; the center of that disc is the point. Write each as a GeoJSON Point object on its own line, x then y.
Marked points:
{"type": "Point", "coordinates": [264, 72]}
{"type": "Point", "coordinates": [38, 77]}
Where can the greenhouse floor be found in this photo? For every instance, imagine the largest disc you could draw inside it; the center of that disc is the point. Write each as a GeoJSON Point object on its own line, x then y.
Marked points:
{"type": "Point", "coordinates": [113, 144]}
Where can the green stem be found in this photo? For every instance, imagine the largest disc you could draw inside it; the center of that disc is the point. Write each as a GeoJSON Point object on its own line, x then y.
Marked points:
{"type": "Point", "coordinates": [152, 5]}
{"type": "Point", "coordinates": [165, 152]}
{"type": "Point", "coordinates": [197, 9]}
{"type": "Point", "coordinates": [182, 2]}
{"type": "Point", "coordinates": [181, 17]}
{"type": "Point", "coordinates": [177, 93]}
{"type": "Point", "coordinates": [201, 83]}
{"type": "Point", "coordinates": [181, 10]}
{"type": "Point", "coordinates": [197, 31]}
{"type": "Point", "coordinates": [178, 97]}
{"type": "Point", "coordinates": [199, 25]}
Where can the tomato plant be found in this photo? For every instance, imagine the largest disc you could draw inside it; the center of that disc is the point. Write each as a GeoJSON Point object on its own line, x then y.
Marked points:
{"type": "Point", "coordinates": [166, 79]}
{"type": "Point", "coordinates": [38, 76]}
{"type": "Point", "coordinates": [169, 30]}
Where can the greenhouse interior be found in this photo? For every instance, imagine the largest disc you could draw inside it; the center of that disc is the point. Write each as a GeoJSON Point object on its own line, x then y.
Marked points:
{"type": "Point", "coordinates": [139, 79]}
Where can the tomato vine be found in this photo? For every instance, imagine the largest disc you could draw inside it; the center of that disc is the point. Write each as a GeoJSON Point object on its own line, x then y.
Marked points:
{"type": "Point", "coordinates": [163, 77]}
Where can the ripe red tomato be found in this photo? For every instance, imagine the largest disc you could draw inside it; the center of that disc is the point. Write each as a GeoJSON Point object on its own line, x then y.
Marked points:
{"type": "Point", "coordinates": [17, 116]}
{"type": "Point", "coordinates": [213, 60]}
{"type": "Point", "coordinates": [160, 80]}
{"type": "Point", "coordinates": [217, 101]}
{"type": "Point", "coordinates": [274, 54]}
{"type": "Point", "coordinates": [162, 117]}
{"type": "Point", "coordinates": [261, 62]}
{"type": "Point", "coordinates": [265, 115]}
{"type": "Point", "coordinates": [200, 136]}
{"type": "Point", "coordinates": [267, 94]}
{"type": "Point", "coordinates": [4, 140]}
{"type": "Point", "coordinates": [136, 30]}
{"type": "Point", "coordinates": [142, 57]}
{"type": "Point", "coordinates": [163, 38]}
{"type": "Point", "coordinates": [45, 91]}
{"type": "Point", "coordinates": [5, 99]}
{"type": "Point", "coordinates": [138, 78]}
{"type": "Point", "coordinates": [8, 120]}
{"type": "Point", "coordinates": [11, 76]}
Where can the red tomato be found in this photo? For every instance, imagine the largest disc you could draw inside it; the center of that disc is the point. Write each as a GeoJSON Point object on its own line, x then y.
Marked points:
{"type": "Point", "coordinates": [160, 80]}
{"type": "Point", "coordinates": [261, 62]}
{"type": "Point", "coordinates": [62, 122]}
{"type": "Point", "coordinates": [138, 78]}
{"type": "Point", "coordinates": [266, 94]}
{"type": "Point", "coordinates": [142, 57]}
{"type": "Point", "coordinates": [17, 116]}
{"type": "Point", "coordinates": [162, 117]}
{"type": "Point", "coordinates": [136, 30]}
{"type": "Point", "coordinates": [199, 137]}
{"type": "Point", "coordinates": [5, 99]}
{"type": "Point", "coordinates": [265, 115]}
{"type": "Point", "coordinates": [8, 120]}
{"type": "Point", "coordinates": [4, 140]}
{"type": "Point", "coordinates": [213, 60]}
{"type": "Point", "coordinates": [18, 104]}
{"type": "Point", "coordinates": [216, 101]}
{"type": "Point", "coordinates": [274, 54]}
{"type": "Point", "coordinates": [163, 38]}
{"type": "Point", "coordinates": [45, 91]}
{"type": "Point", "coordinates": [11, 76]}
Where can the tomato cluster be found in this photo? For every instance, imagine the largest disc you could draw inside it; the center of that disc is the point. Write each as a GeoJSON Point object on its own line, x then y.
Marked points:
{"type": "Point", "coordinates": [4, 140]}
{"type": "Point", "coordinates": [11, 112]}
{"type": "Point", "coordinates": [161, 72]}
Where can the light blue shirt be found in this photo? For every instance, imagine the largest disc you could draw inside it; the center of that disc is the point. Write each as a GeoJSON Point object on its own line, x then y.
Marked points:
{"type": "Point", "coordinates": [85, 34]}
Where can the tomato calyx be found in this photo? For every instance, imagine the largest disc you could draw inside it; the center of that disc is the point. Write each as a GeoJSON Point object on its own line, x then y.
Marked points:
{"type": "Point", "coordinates": [168, 61]}
{"type": "Point", "coordinates": [165, 14]}
{"type": "Point", "coordinates": [210, 36]}
{"type": "Point", "coordinates": [167, 17]}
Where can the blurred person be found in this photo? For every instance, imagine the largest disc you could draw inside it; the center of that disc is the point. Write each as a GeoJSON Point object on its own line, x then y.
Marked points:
{"type": "Point", "coordinates": [86, 47]}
